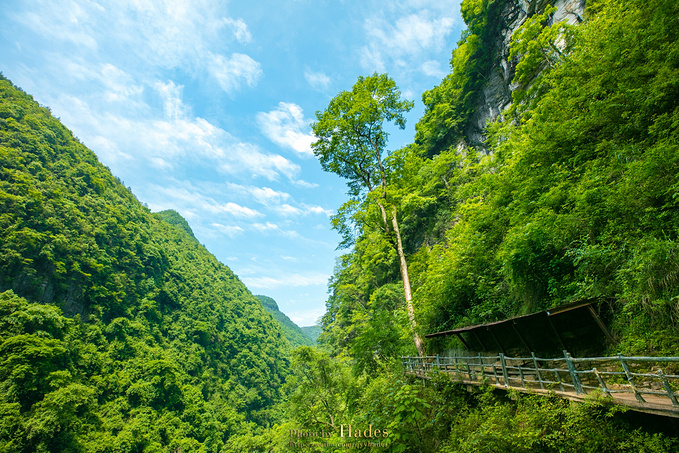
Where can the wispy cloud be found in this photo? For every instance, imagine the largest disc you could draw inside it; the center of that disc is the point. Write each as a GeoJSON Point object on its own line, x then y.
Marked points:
{"type": "Point", "coordinates": [188, 198]}
{"type": "Point", "coordinates": [306, 317]}
{"type": "Point", "coordinates": [318, 80]}
{"type": "Point", "coordinates": [401, 35]}
{"type": "Point", "coordinates": [171, 140]}
{"type": "Point", "coordinates": [230, 231]}
{"type": "Point", "coordinates": [433, 68]}
{"type": "Point", "coordinates": [239, 29]}
{"type": "Point", "coordinates": [295, 280]}
{"type": "Point", "coordinates": [287, 127]}
{"type": "Point", "coordinates": [234, 71]}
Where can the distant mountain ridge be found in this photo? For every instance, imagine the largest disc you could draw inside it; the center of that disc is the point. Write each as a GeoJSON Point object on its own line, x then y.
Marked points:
{"type": "Point", "coordinates": [313, 332]}
{"type": "Point", "coordinates": [293, 333]}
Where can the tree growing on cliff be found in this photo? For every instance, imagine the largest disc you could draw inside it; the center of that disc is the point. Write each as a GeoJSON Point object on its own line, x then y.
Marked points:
{"type": "Point", "coordinates": [351, 143]}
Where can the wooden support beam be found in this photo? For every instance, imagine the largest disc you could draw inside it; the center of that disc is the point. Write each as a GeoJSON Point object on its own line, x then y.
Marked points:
{"type": "Point", "coordinates": [601, 325]}
{"type": "Point", "coordinates": [459, 336]}
{"type": "Point", "coordinates": [479, 340]}
{"type": "Point", "coordinates": [556, 333]}
{"type": "Point", "coordinates": [490, 331]}
{"type": "Point", "coordinates": [521, 337]}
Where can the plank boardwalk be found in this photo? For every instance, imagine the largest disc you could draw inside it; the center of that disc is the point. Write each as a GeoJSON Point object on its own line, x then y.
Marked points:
{"type": "Point", "coordinates": [645, 384]}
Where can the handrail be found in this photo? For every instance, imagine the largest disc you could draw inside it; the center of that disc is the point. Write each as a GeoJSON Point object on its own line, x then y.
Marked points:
{"type": "Point", "coordinates": [613, 376]}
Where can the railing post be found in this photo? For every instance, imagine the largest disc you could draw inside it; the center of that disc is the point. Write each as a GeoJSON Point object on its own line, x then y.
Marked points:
{"type": "Point", "coordinates": [602, 384]}
{"type": "Point", "coordinates": [438, 362]}
{"type": "Point", "coordinates": [558, 379]}
{"type": "Point", "coordinates": [482, 371]}
{"type": "Point", "coordinates": [630, 379]}
{"type": "Point", "coordinates": [668, 389]}
{"type": "Point", "coordinates": [523, 382]}
{"type": "Point", "coordinates": [537, 370]}
{"type": "Point", "coordinates": [573, 372]}
{"type": "Point", "coordinates": [505, 375]}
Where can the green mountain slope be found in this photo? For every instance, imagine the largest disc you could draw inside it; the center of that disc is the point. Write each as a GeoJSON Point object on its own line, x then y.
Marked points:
{"type": "Point", "coordinates": [118, 330]}
{"type": "Point", "coordinates": [312, 332]}
{"type": "Point", "coordinates": [293, 333]}
{"type": "Point", "coordinates": [174, 218]}
{"type": "Point", "coordinates": [572, 198]}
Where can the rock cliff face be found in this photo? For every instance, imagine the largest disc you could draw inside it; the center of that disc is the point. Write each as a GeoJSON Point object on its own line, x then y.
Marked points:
{"type": "Point", "coordinates": [496, 94]}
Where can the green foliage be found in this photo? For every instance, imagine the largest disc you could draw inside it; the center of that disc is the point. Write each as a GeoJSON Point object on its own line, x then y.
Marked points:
{"type": "Point", "coordinates": [118, 330]}
{"type": "Point", "coordinates": [351, 135]}
{"type": "Point", "coordinates": [547, 424]}
{"type": "Point", "coordinates": [293, 333]}
{"type": "Point", "coordinates": [312, 332]}
{"type": "Point", "coordinates": [450, 106]}
{"type": "Point", "coordinates": [576, 200]}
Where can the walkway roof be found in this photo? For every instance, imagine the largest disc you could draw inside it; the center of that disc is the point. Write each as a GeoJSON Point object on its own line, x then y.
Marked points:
{"type": "Point", "coordinates": [574, 327]}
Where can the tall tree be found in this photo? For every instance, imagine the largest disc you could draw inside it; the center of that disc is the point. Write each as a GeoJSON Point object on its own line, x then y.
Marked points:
{"type": "Point", "coordinates": [352, 143]}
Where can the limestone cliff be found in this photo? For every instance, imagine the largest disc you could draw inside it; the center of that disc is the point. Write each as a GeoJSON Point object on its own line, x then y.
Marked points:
{"type": "Point", "coordinates": [496, 92]}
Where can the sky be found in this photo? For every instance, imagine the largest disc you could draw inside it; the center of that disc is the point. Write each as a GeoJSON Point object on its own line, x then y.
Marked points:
{"type": "Point", "coordinates": [204, 106]}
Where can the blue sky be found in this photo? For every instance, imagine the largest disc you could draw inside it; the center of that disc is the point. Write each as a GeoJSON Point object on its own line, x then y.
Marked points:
{"type": "Point", "coordinates": [203, 106]}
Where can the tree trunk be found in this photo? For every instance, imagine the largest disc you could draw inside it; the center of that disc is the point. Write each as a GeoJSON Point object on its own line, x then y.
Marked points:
{"type": "Point", "coordinates": [406, 284]}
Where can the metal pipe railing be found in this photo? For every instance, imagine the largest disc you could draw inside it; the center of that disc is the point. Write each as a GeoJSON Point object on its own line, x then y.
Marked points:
{"type": "Point", "coordinates": [611, 375]}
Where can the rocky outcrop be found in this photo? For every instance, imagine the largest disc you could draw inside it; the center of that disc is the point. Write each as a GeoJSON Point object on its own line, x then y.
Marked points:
{"type": "Point", "coordinates": [496, 94]}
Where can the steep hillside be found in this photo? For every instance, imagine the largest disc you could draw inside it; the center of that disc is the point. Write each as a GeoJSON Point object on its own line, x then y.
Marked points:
{"type": "Point", "coordinates": [293, 333]}
{"type": "Point", "coordinates": [481, 86]}
{"type": "Point", "coordinates": [572, 197]}
{"type": "Point", "coordinates": [313, 332]}
{"type": "Point", "coordinates": [118, 330]}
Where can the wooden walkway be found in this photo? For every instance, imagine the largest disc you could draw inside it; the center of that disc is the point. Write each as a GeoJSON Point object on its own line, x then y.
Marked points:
{"type": "Point", "coordinates": [645, 384]}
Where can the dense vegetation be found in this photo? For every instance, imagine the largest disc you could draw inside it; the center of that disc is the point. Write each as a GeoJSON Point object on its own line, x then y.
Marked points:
{"type": "Point", "coordinates": [118, 330]}
{"type": "Point", "coordinates": [293, 333]}
{"type": "Point", "coordinates": [577, 199]}
{"type": "Point", "coordinates": [313, 332]}
{"type": "Point", "coordinates": [573, 197]}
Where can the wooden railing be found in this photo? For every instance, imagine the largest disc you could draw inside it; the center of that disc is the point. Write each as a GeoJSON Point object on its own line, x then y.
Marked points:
{"type": "Point", "coordinates": [641, 382]}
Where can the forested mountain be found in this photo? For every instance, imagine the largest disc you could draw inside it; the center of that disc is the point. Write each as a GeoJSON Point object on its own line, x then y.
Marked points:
{"type": "Point", "coordinates": [293, 333]}
{"type": "Point", "coordinates": [313, 332]}
{"type": "Point", "coordinates": [572, 196]}
{"type": "Point", "coordinates": [118, 330]}
{"type": "Point", "coordinates": [570, 193]}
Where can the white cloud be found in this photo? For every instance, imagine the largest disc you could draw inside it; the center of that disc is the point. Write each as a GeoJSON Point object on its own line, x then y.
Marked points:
{"type": "Point", "coordinates": [292, 259]}
{"type": "Point", "coordinates": [268, 226]}
{"type": "Point", "coordinates": [194, 201]}
{"type": "Point", "coordinates": [319, 210]}
{"type": "Point", "coordinates": [287, 127]}
{"type": "Point", "coordinates": [232, 209]}
{"type": "Point", "coordinates": [403, 40]}
{"type": "Point", "coordinates": [433, 68]}
{"type": "Point", "coordinates": [287, 210]}
{"type": "Point", "coordinates": [306, 317]}
{"type": "Point", "coordinates": [268, 196]}
{"type": "Point", "coordinates": [318, 80]}
{"type": "Point", "coordinates": [171, 94]}
{"type": "Point", "coordinates": [305, 184]}
{"type": "Point", "coordinates": [234, 71]}
{"type": "Point", "coordinates": [239, 29]}
{"type": "Point", "coordinates": [230, 231]}
{"type": "Point", "coordinates": [61, 22]}
{"type": "Point", "coordinates": [174, 140]}
{"type": "Point", "coordinates": [247, 157]}
{"type": "Point", "coordinates": [294, 280]}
